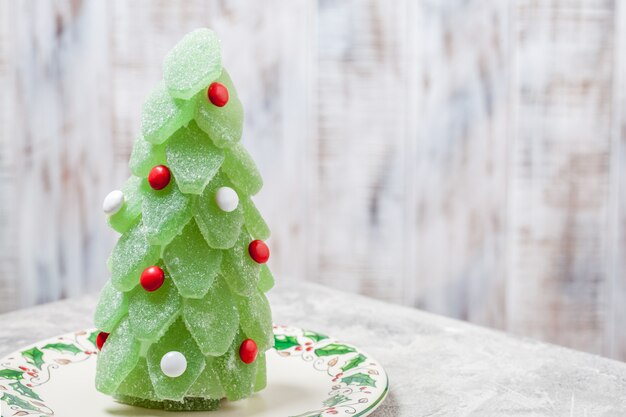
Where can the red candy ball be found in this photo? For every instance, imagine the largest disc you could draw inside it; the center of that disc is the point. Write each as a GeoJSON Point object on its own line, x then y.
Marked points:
{"type": "Point", "coordinates": [218, 94]}
{"type": "Point", "coordinates": [248, 351]}
{"type": "Point", "coordinates": [159, 177]}
{"type": "Point", "coordinates": [152, 278]}
{"type": "Point", "coordinates": [259, 251]}
{"type": "Point", "coordinates": [102, 337]}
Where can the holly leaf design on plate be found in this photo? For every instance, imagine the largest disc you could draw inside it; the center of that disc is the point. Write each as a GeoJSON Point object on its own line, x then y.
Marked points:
{"type": "Point", "coordinates": [283, 342]}
{"type": "Point", "coordinates": [354, 362]}
{"type": "Point", "coordinates": [315, 336]}
{"type": "Point", "coordinates": [92, 337]}
{"type": "Point", "coordinates": [334, 349]}
{"type": "Point", "coordinates": [11, 374]}
{"type": "Point", "coordinates": [360, 379]}
{"type": "Point", "coordinates": [24, 390]}
{"type": "Point", "coordinates": [337, 399]}
{"type": "Point", "coordinates": [18, 402]}
{"type": "Point", "coordinates": [63, 347]}
{"type": "Point", "coordinates": [34, 356]}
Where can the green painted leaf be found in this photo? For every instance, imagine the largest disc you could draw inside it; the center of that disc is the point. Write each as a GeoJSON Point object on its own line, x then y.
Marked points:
{"type": "Point", "coordinates": [283, 342]}
{"type": "Point", "coordinates": [92, 337]}
{"type": "Point", "coordinates": [360, 379]}
{"type": "Point", "coordinates": [24, 390]}
{"type": "Point", "coordinates": [11, 374]}
{"type": "Point", "coordinates": [354, 362]}
{"type": "Point", "coordinates": [337, 399]}
{"type": "Point", "coordinates": [18, 402]}
{"type": "Point", "coordinates": [34, 356]}
{"type": "Point", "coordinates": [334, 349]}
{"type": "Point", "coordinates": [315, 336]}
{"type": "Point", "coordinates": [63, 347]}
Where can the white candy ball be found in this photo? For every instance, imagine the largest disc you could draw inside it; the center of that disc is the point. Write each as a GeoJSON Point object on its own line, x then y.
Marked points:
{"type": "Point", "coordinates": [113, 202]}
{"type": "Point", "coordinates": [173, 364]}
{"type": "Point", "coordinates": [226, 199]}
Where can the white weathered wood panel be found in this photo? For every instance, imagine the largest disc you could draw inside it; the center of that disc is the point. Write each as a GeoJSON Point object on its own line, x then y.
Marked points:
{"type": "Point", "coordinates": [560, 172]}
{"type": "Point", "coordinates": [461, 156]}
{"type": "Point", "coordinates": [361, 150]}
{"type": "Point", "coordinates": [615, 335]}
{"type": "Point", "coordinates": [59, 147]}
{"type": "Point", "coordinates": [461, 160]}
{"type": "Point", "coordinates": [8, 231]}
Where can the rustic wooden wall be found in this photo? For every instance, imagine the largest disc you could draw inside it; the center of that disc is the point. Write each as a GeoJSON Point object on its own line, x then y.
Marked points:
{"type": "Point", "coordinates": [465, 157]}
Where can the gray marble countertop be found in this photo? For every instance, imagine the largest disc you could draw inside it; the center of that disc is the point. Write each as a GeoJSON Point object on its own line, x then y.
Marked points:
{"type": "Point", "coordinates": [437, 366]}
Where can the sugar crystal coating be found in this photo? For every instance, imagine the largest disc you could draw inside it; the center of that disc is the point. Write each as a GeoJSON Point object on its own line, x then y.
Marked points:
{"type": "Point", "coordinates": [163, 115]}
{"type": "Point", "coordinates": [145, 156]}
{"type": "Point", "coordinates": [220, 228]}
{"type": "Point", "coordinates": [240, 271]}
{"type": "Point", "coordinates": [165, 212]}
{"type": "Point", "coordinates": [266, 279]}
{"type": "Point", "coordinates": [254, 222]}
{"type": "Point", "coordinates": [192, 264]}
{"type": "Point", "coordinates": [208, 384]}
{"type": "Point", "coordinates": [151, 313]}
{"type": "Point", "coordinates": [178, 339]}
{"type": "Point", "coordinates": [237, 377]}
{"type": "Point", "coordinates": [242, 170]}
{"type": "Point", "coordinates": [117, 359]}
{"type": "Point", "coordinates": [131, 255]}
{"type": "Point", "coordinates": [193, 158]}
{"type": "Point", "coordinates": [256, 319]}
{"type": "Point", "coordinates": [261, 373]}
{"type": "Point", "coordinates": [187, 404]}
{"type": "Point", "coordinates": [112, 306]}
{"type": "Point", "coordinates": [193, 64]}
{"type": "Point", "coordinates": [223, 124]}
{"type": "Point", "coordinates": [212, 320]}
{"type": "Point", "coordinates": [131, 209]}
{"type": "Point", "coordinates": [137, 383]}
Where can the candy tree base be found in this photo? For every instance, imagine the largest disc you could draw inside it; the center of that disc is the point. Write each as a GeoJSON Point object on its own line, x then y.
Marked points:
{"type": "Point", "coordinates": [188, 403]}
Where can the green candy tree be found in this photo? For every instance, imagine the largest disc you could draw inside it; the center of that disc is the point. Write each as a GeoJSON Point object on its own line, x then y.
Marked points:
{"type": "Point", "coordinates": [184, 319]}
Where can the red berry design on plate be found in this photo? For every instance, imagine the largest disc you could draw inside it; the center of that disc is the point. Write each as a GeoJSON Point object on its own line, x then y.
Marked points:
{"type": "Point", "coordinates": [259, 251]}
{"type": "Point", "coordinates": [102, 337]}
{"type": "Point", "coordinates": [152, 278]}
{"type": "Point", "coordinates": [218, 94]}
{"type": "Point", "coordinates": [248, 351]}
{"type": "Point", "coordinates": [159, 177]}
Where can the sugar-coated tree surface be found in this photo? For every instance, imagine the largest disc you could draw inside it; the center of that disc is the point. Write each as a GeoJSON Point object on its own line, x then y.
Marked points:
{"type": "Point", "coordinates": [184, 318]}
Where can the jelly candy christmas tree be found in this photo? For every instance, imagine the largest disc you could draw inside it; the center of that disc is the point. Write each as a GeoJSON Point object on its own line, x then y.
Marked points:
{"type": "Point", "coordinates": [184, 320]}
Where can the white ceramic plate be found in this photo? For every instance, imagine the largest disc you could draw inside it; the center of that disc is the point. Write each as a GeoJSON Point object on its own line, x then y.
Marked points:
{"type": "Point", "coordinates": [309, 375]}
